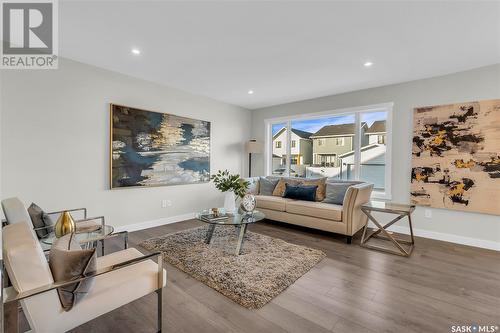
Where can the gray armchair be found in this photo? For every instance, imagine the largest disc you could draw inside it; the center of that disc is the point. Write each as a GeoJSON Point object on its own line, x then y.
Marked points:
{"type": "Point", "coordinates": [15, 212]}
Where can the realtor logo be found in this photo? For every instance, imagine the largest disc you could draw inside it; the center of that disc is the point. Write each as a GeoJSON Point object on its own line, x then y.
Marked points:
{"type": "Point", "coordinates": [29, 34]}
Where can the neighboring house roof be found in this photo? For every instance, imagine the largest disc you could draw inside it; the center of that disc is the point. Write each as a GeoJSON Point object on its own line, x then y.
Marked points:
{"type": "Point", "coordinates": [369, 153]}
{"type": "Point", "coordinates": [336, 130]}
{"type": "Point", "coordinates": [299, 133]}
{"type": "Point", "coordinates": [377, 127]}
{"type": "Point", "coordinates": [302, 134]}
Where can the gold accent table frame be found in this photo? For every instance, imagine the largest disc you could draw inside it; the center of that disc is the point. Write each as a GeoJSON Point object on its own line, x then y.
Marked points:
{"type": "Point", "coordinates": [401, 210]}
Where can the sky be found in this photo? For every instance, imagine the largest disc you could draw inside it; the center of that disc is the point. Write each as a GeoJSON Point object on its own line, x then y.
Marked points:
{"type": "Point", "coordinates": [313, 125]}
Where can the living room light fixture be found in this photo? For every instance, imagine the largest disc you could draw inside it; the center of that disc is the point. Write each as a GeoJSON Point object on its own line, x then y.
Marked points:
{"type": "Point", "coordinates": [136, 51]}
{"type": "Point", "coordinates": [368, 64]}
{"type": "Point", "coordinates": [250, 92]}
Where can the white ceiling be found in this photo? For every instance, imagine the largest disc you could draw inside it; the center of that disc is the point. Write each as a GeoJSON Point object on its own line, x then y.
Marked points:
{"type": "Point", "coordinates": [284, 51]}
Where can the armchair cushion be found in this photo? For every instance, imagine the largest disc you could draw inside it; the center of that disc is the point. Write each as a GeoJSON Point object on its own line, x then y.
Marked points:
{"type": "Point", "coordinates": [40, 219]}
{"type": "Point", "coordinates": [68, 261]}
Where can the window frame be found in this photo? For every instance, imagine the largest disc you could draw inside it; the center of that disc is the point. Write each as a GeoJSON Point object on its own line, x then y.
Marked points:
{"type": "Point", "coordinates": [357, 111]}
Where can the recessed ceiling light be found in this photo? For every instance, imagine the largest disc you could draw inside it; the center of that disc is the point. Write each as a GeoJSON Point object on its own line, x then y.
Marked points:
{"type": "Point", "coordinates": [136, 51]}
{"type": "Point", "coordinates": [368, 64]}
{"type": "Point", "coordinates": [250, 92]}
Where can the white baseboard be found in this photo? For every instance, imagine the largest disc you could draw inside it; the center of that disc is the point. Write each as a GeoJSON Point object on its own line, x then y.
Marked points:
{"type": "Point", "coordinates": [485, 244]}
{"type": "Point", "coordinates": [155, 223]}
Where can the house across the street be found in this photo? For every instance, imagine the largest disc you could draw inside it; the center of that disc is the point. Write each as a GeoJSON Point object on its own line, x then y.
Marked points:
{"type": "Point", "coordinates": [334, 140]}
{"type": "Point", "coordinates": [377, 133]}
{"type": "Point", "coordinates": [301, 148]}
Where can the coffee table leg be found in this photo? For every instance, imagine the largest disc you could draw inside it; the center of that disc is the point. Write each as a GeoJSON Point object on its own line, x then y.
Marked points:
{"type": "Point", "coordinates": [241, 237]}
{"type": "Point", "coordinates": [210, 232]}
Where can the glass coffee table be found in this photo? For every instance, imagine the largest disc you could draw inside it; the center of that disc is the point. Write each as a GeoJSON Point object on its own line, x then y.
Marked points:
{"type": "Point", "coordinates": [240, 221]}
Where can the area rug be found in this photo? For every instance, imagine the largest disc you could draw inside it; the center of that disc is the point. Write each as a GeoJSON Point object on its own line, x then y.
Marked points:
{"type": "Point", "coordinates": [266, 267]}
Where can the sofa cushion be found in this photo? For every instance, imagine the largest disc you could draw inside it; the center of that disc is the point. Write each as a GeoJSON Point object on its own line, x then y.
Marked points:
{"type": "Point", "coordinates": [279, 190]}
{"type": "Point", "coordinates": [335, 192]}
{"type": "Point", "coordinates": [315, 209]}
{"type": "Point", "coordinates": [301, 192]}
{"type": "Point", "coordinates": [270, 202]}
{"type": "Point", "coordinates": [321, 190]}
{"type": "Point", "coordinates": [267, 185]}
{"type": "Point", "coordinates": [253, 185]}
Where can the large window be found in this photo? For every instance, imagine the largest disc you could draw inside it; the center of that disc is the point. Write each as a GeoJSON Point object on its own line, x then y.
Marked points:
{"type": "Point", "coordinates": [352, 144]}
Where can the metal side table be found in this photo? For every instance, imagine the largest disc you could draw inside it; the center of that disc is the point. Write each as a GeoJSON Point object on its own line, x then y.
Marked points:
{"type": "Point", "coordinates": [401, 210]}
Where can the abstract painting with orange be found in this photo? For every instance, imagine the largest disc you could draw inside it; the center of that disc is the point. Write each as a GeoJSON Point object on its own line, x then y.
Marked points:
{"type": "Point", "coordinates": [456, 157]}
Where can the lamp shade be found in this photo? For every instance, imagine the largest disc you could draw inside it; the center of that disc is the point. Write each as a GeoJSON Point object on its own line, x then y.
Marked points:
{"type": "Point", "coordinates": [253, 147]}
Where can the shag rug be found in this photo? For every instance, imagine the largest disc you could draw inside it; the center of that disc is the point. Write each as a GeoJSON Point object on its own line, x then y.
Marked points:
{"type": "Point", "coordinates": [266, 267]}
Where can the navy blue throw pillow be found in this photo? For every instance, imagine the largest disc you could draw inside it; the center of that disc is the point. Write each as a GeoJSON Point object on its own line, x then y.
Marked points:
{"type": "Point", "coordinates": [300, 192]}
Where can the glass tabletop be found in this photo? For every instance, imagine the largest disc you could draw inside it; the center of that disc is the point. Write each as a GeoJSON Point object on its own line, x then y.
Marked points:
{"type": "Point", "coordinates": [384, 206]}
{"type": "Point", "coordinates": [81, 237]}
{"type": "Point", "coordinates": [232, 218]}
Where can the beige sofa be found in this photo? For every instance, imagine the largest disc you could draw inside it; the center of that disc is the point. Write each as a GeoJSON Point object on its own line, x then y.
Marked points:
{"type": "Point", "coordinates": [345, 219]}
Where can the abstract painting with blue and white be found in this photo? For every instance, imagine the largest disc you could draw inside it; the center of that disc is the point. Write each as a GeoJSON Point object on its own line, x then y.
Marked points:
{"type": "Point", "coordinates": [155, 149]}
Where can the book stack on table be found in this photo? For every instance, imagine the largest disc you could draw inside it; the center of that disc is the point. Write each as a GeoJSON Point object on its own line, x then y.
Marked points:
{"type": "Point", "coordinates": [213, 217]}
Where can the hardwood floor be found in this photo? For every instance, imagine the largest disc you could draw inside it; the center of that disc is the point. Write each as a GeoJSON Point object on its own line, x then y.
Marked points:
{"type": "Point", "coordinates": [352, 290]}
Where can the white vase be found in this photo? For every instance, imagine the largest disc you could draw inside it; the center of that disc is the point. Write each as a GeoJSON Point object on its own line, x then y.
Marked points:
{"type": "Point", "coordinates": [229, 202]}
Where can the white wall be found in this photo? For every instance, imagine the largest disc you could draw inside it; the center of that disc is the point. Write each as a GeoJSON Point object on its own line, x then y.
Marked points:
{"type": "Point", "coordinates": [55, 141]}
{"type": "Point", "coordinates": [482, 83]}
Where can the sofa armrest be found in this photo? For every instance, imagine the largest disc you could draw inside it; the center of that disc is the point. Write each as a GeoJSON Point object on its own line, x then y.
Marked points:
{"type": "Point", "coordinates": [352, 215]}
{"type": "Point", "coordinates": [15, 297]}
